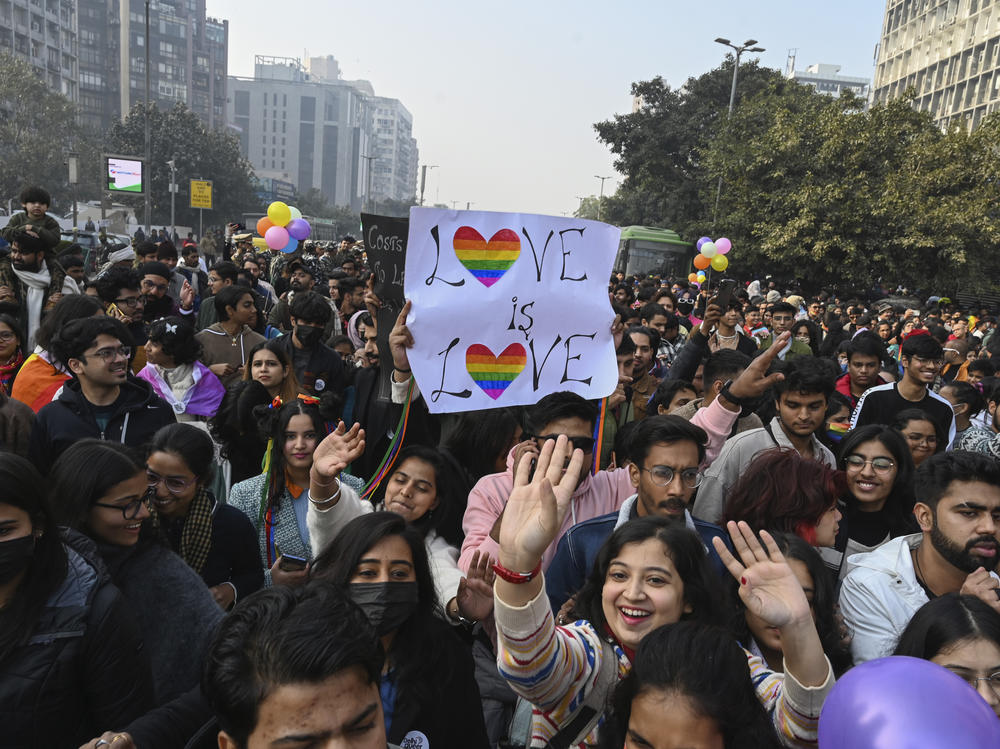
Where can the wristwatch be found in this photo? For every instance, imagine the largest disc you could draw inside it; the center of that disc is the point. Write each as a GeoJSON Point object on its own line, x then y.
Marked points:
{"type": "Point", "coordinates": [741, 402]}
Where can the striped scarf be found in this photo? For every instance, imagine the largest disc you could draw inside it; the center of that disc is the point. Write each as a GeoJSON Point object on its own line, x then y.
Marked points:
{"type": "Point", "coordinates": [196, 535]}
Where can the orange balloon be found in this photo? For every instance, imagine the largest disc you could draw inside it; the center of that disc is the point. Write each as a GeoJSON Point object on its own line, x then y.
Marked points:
{"type": "Point", "coordinates": [692, 277]}
{"type": "Point", "coordinates": [263, 225]}
{"type": "Point", "coordinates": [701, 262]}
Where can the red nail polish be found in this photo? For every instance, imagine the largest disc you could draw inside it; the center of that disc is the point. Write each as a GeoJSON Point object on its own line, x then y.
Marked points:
{"type": "Point", "coordinates": [743, 581]}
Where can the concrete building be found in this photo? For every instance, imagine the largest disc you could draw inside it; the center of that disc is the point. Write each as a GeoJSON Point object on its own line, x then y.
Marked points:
{"type": "Point", "coordinates": [43, 33]}
{"type": "Point", "coordinates": [296, 129]}
{"type": "Point", "coordinates": [947, 51]}
{"type": "Point", "coordinates": [826, 79]}
{"type": "Point", "coordinates": [395, 168]}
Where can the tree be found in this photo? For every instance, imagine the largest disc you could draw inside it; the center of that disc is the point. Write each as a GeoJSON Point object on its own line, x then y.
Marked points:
{"type": "Point", "coordinates": [37, 131]}
{"type": "Point", "coordinates": [198, 153]}
{"type": "Point", "coordinates": [313, 203]}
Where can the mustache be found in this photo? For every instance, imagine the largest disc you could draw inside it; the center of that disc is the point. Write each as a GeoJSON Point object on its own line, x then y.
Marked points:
{"type": "Point", "coordinates": [982, 541]}
{"type": "Point", "coordinates": [673, 505]}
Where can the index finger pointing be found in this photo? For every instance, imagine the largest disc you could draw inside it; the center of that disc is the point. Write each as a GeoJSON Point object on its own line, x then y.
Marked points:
{"type": "Point", "coordinates": [403, 313]}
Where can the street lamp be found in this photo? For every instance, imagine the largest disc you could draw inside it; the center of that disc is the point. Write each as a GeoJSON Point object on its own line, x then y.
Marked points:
{"type": "Point", "coordinates": [173, 193]}
{"type": "Point", "coordinates": [600, 200]}
{"type": "Point", "coordinates": [748, 46]}
{"type": "Point", "coordinates": [423, 179]}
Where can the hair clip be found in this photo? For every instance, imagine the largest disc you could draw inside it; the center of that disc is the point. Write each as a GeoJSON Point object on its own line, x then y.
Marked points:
{"type": "Point", "coordinates": [171, 327]}
{"type": "Point", "coordinates": [276, 403]}
{"type": "Point", "coordinates": [309, 400]}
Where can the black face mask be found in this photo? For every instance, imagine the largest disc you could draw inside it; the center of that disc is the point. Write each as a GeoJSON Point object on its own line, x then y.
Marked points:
{"type": "Point", "coordinates": [15, 556]}
{"type": "Point", "coordinates": [308, 336]}
{"type": "Point", "coordinates": [387, 605]}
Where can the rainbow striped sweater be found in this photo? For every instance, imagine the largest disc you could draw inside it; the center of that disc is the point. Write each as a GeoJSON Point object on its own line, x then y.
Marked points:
{"type": "Point", "coordinates": [555, 668]}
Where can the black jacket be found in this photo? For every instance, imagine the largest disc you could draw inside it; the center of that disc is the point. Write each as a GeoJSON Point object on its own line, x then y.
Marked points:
{"type": "Point", "coordinates": [138, 414]}
{"type": "Point", "coordinates": [83, 671]}
{"type": "Point", "coordinates": [324, 372]}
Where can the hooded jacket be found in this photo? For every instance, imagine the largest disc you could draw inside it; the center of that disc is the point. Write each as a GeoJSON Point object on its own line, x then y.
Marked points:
{"type": "Point", "coordinates": [138, 414]}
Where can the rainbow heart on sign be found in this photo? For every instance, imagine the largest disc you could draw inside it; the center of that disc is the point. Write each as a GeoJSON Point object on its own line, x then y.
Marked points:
{"type": "Point", "coordinates": [495, 373]}
{"type": "Point", "coordinates": [487, 261]}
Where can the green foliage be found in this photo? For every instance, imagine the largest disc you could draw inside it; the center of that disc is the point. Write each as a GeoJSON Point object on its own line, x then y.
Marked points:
{"type": "Point", "coordinates": [313, 203]}
{"type": "Point", "coordinates": [37, 131]}
{"type": "Point", "coordinates": [199, 153]}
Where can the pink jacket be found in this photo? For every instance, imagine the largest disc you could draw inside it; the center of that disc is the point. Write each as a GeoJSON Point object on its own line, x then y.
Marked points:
{"type": "Point", "coordinates": [597, 495]}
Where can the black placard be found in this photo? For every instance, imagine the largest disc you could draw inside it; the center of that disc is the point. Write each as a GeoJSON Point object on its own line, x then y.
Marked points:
{"type": "Point", "coordinates": [385, 245]}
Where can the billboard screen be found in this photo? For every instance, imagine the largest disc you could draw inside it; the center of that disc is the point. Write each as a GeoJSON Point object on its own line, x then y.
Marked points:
{"type": "Point", "coordinates": [125, 174]}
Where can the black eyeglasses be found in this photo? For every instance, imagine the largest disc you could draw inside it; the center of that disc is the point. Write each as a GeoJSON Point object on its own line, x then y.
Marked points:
{"type": "Point", "coordinates": [128, 301]}
{"type": "Point", "coordinates": [664, 476]}
{"type": "Point", "coordinates": [579, 443]}
{"type": "Point", "coordinates": [129, 511]}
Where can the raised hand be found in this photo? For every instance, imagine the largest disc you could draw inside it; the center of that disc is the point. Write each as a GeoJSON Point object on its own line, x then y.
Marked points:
{"type": "Point", "coordinates": [400, 339]}
{"type": "Point", "coordinates": [983, 586]}
{"type": "Point", "coordinates": [537, 507]}
{"type": "Point", "coordinates": [187, 296]}
{"type": "Point", "coordinates": [338, 450]}
{"type": "Point", "coordinates": [754, 380]}
{"type": "Point", "coordinates": [475, 591]}
{"type": "Point", "coordinates": [768, 587]}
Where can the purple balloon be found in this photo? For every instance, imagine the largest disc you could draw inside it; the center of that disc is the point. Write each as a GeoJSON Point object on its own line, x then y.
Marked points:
{"type": "Point", "coordinates": [298, 228]}
{"type": "Point", "coordinates": [702, 241]}
{"type": "Point", "coordinates": [291, 246]}
{"type": "Point", "coordinates": [276, 237]}
{"type": "Point", "coordinates": [900, 701]}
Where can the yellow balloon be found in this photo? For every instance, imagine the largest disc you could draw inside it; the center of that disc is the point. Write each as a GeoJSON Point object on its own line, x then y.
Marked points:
{"type": "Point", "coordinates": [720, 263]}
{"type": "Point", "coordinates": [279, 213]}
{"type": "Point", "coordinates": [260, 243]}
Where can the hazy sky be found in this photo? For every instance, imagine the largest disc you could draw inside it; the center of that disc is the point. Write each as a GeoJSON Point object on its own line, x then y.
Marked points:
{"type": "Point", "coordinates": [504, 96]}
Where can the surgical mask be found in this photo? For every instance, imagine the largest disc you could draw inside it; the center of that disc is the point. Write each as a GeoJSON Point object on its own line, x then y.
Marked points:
{"type": "Point", "coordinates": [308, 335]}
{"type": "Point", "coordinates": [15, 556]}
{"type": "Point", "coordinates": [387, 605]}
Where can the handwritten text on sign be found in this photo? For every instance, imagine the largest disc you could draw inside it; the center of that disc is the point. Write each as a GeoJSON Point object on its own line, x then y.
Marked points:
{"type": "Point", "coordinates": [508, 307]}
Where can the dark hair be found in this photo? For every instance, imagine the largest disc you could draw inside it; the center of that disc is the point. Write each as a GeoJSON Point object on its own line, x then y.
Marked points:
{"type": "Point", "coordinates": [782, 491]}
{"type": "Point", "coordinates": [626, 347]}
{"type": "Point", "coordinates": [85, 472]}
{"type": "Point", "coordinates": [190, 444]}
{"type": "Point", "coordinates": [177, 339]}
{"type": "Point", "coordinates": [824, 603]}
{"type": "Point", "coordinates": [23, 488]}
{"type": "Point", "coordinates": [707, 667]}
{"type": "Point", "coordinates": [111, 282]}
{"type": "Point", "coordinates": [904, 417]}
{"type": "Point", "coordinates": [648, 311]}
{"type": "Point", "coordinates": [229, 296]}
{"type": "Point", "coordinates": [924, 346]}
{"type": "Point", "coordinates": [421, 639]}
{"type": "Point", "coordinates": [725, 364]}
{"type": "Point", "coordinates": [982, 365]}
{"type": "Point", "coordinates": [686, 551]}
{"type": "Point", "coordinates": [15, 325]}
{"type": "Point", "coordinates": [284, 635]}
{"type": "Point", "coordinates": [967, 394]}
{"type": "Point", "coordinates": [782, 307]}
{"type": "Point", "coordinates": [35, 194]}
{"type": "Point", "coordinates": [946, 620]}
{"type": "Point", "coordinates": [145, 248]}
{"type": "Point", "coordinates": [899, 504]}
{"type": "Point", "coordinates": [665, 393]}
{"type": "Point", "coordinates": [652, 335]}
{"type": "Point", "coordinates": [76, 336]}
{"type": "Point", "coordinates": [623, 442]}
{"type": "Point", "coordinates": [310, 307]}
{"type": "Point", "coordinates": [290, 385]}
{"type": "Point", "coordinates": [70, 307]}
{"type": "Point", "coordinates": [657, 428]}
{"type": "Point", "coordinates": [479, 438]}
{"type": "Point", "coordinates": [71, 261]}
{"type": "Point", "coordinates": [936, 474]}
{"type": "Point", "coordinates": [806, 374]}
{"type": "Point", "coordinates": [445, 519]}
{"type": "Point", "coordinates": [866, 344]}
{"type": "Point", "coordinates": [155, 268]}
{"type": "Point", "coordinates": [814, 333]}
{"type": "Point", "coordinates": [166, 251]}
{"type": "Point", "coordinates": [560, 405]}
{"type": "Point", "coordinates": [227, 270]}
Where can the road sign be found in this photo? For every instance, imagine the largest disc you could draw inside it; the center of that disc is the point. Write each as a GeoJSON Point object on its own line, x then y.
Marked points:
{"type": "Point", "coordinates": [201, 193]}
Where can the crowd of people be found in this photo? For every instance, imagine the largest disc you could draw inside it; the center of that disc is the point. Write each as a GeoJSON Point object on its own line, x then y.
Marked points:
{"type": "Point", "coordinates": [214, 532]}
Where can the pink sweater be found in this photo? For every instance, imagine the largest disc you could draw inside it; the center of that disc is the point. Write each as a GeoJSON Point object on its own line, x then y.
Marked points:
{"type": "Point", "coordinates": [597, 495]}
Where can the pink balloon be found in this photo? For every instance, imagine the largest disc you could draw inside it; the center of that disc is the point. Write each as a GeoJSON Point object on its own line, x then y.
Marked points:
{"type": "Point", "coordinates": [723, 245]}
{"type": "Point", "coordinates": [276, 237]}
{"type": "Point", "coordinates": [298, 228]}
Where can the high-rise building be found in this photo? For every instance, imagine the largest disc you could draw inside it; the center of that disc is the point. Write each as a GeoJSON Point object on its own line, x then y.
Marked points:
{"type": "Point", "coordinates": [947, 51]}
{"type": "Point", "coordinates": [43, 33]}
{"type": "Point", "coordinates": [826, 79]}
{"type": "Point", "coordinates": [306, 125]}
{"type": "Point", "coordinates": [395, 167]}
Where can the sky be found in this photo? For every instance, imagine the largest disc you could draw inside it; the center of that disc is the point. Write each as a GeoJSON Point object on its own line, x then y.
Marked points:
{"type": "Point", "coordinates": [504, 96]}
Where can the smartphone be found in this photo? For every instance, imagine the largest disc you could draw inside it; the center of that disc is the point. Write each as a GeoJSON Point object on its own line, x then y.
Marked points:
{"type": "Point", "coordinates": [113, 309]}
{"type": "Point", "coordinates": [725, 293]}
{"type": "Point", "coordinates": [291, 563]}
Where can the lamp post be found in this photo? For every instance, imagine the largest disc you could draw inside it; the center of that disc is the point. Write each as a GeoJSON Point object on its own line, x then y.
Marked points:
{"type": "Point", "coordinates": [368, 191]}
{"type": "Point", "coordinates": [423, 179]}
{"type": "Point", "coordinates": [147, 164]}
{"type": "Point", "coordinates": [173, 194]}
{"type": "Point", "coordinates": [600, 200]}
{"type": "Point", "coordinates": [748, 46]}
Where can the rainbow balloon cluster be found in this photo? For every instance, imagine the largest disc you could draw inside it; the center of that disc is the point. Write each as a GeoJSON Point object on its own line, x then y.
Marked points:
{"type": "Point", "coordinates": [710, 255]}
{"type": "Point", "coordinates": [283, 227]}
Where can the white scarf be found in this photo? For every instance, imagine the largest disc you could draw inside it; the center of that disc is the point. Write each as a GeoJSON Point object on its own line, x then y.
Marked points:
{"type": "Point", "coordinates": [37, 282]}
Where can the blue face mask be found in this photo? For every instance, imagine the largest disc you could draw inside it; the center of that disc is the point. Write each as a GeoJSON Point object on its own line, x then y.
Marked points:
{"type": "Point", "coordinates": [843, 367]}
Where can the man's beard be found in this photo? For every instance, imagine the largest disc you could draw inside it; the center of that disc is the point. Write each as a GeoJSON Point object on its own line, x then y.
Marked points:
{"type": "Point", "coordinates": [155, 308]}
{"type": "Point", "coordinates": [959, 556]}
{"type": "Point", "coordinates": [27, 267]}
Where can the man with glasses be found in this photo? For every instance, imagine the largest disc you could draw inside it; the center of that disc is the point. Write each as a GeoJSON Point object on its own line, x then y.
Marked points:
{"type": "Point", "coordinates": [956, 551]}
{"type": "Point", "coordinates": [922, 358]}
{"type": "Point", "coordinates": [100, 400]}
{"type": "Point", "coordinates": [663, 461]}
{"type": "Point", "coordinates": [120, 287]}
{"type": "Point", "coordinates": [782, 319]}
{"type": "Point", "coordinates": [154, 286]}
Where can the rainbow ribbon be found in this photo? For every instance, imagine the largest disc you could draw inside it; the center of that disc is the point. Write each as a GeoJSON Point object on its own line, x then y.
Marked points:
{"type": "Point", "coordinates": [599, 436]}
{"type": "Point", "coordinates": [389, 459]}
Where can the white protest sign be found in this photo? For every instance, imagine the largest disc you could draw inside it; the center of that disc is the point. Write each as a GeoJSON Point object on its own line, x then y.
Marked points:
{"type": "Point", "coordinates": [508, 307]}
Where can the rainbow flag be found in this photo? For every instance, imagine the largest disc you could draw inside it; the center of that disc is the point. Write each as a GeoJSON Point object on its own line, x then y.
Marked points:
{"type": "Point", "coordinates": [495, 373]}
{"type": "Point", "coordinates": [487, 261]}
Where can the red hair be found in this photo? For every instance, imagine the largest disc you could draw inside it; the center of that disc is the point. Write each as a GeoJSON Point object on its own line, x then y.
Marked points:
{"type": "Point", "coordinates": [782, 491]}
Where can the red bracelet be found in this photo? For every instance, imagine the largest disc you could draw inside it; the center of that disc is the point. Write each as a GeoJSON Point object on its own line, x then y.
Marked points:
{"type": "Point", "coordinates": [516, 577]}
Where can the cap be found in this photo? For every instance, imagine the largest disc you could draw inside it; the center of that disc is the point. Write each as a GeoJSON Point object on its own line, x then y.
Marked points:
{"type": "Point", "coordinates": [245, 237]}
{"type": "Point", "coordinates": [773, 296]}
